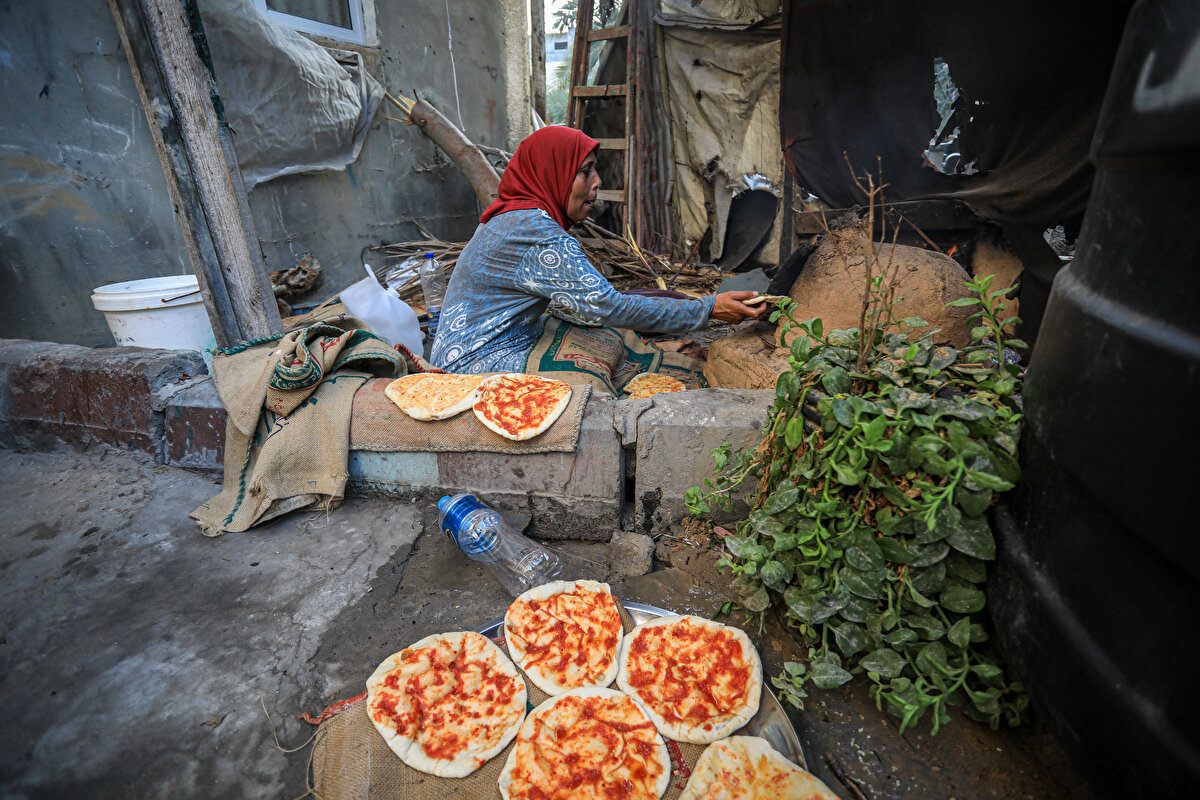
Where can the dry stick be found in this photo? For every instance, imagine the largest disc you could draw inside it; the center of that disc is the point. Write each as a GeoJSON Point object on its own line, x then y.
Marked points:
{"type": "Point", "coordinates": [839, 772]}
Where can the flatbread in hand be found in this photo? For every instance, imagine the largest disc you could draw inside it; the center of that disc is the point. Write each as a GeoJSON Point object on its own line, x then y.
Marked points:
{"type": "Point", "coordinates": [765, 298]}
{"type": "Point", "coordinates": [585, 744]}
{"type": "Point", "coordinates": [651, 384]}
{"type": "Point", "coordinates": [699, 680]}
{"type": "Point", "coordinates": [432, 395]}
{"type": "Point", "coordinates": [448, 703]}
{"type": "Point", "coordinates": [520, 407]}
{"type": "Point", "coordinates": [565, 635]}
{"type": "Point", "coordinates": [747, 768]}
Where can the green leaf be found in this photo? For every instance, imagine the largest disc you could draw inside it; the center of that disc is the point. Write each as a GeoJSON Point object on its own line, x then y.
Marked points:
{"type": "Point", "coordinates": [765, 524]}
{"type": "Point", "coordinates": [787, 540]}
{"type": "Point", "coordinates": [929, 580]}
{"type": "Point", "coordinates": [794, 668]}
{"type": "Point", "coordinates": [973, 503]}
{"type": "Point", "coordinates": [813, 607]}
{"type": "Point", "coordinates": [846, 474]}
{"type": "Point", "coordinates": [942, 357]}
{"type": "Point", "coordinates": [966, 568]}
{"type": "Point", "coordinates": [960, 633]}
{"type": "Point", "coordinates": [857, 609]}
{"type": "Point", "coordinates": [756, 601]}
{"type": "Point", "coordinates": [900, 636]}
{"type": "Point", "coordinates": [817, 328]}
{"type": "Point", "coordinates": [800, 348]}
{"type": "Point", "coordinates": [907, 398]}
{"type": "Point", "coordinates": [987, 671]}
{"type": "Point", "coordinates": [962, 302]}
{"type": "Point", "coordinates": [828, 675]}
{"type": "Point", "coordinates": [963, 599]}
{"type": "Point", "coordinates": [842, 412]}
{"type": "Point", "coordinates": [865, 557]}
{"type": "Point", "coordinates": [793, 434]}
{"type": "Point", "coordinates": [894, 550]}
{"type": "Point", "coordinates": [774, 575]}
{"type": "Point", "coordinates": [745, 547]}
{"type": "Point", "coordinates": [926, 555]}
{"type": "Point", "coordinates": [836, 381]}
{"type": "Point", "coordinates": [932, 656]}
{"type": "Point", "coordinates": [782, 498]}
{"type": "Point", "coordinates": [850, 638]}
{"type": "Point", "coordinates": [875, 429]}
{"type": "Point", "coordinates": [914, 322]}
{"type": "Point", "coordinates": [974, 538]}
{"type": "Point", "coordinates": [920, 599]}
{"type": "Point", "coordinates": [986, 481]}
{"type": "Point", "coordinates": [863, 586]}
{"type": "Point", "coordinates": [926, 627]}
{"type": "Point", "coordinates": [947, 521]}
{"type": "Point", "coordinates": [884, 661]}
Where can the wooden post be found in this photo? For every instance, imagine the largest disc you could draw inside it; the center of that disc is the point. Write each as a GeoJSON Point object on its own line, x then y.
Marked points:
{"type": "Point", "coordinates": [537, 14]}
{"type": "Point", "coordinates": [167, 53]}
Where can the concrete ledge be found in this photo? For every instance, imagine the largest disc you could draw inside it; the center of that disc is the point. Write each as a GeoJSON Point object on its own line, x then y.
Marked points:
{"type": "Point", "coordinates": [675, 439]}
{"type": "Point", "coordinates": [194, 427]}
{"type": "Point", "coordinates": [52, 393]}
{"type": "Point", "coordinates": [571, 495]}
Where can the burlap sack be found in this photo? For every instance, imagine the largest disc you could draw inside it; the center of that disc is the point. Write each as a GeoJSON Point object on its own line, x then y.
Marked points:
{"type": "Point", "coordinates": [350, 760]}
{"type": "Point", "coordinates": [605, 358]}
{"type": "Point", "coordinates": [288, 431]}
{"type": "Point", "coordinates": [379, 425]}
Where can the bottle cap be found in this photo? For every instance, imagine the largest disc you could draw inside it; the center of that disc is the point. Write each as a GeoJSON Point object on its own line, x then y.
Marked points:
{"type": "Point", "coordinates": [429, 255]}
{"type": "Point", "coordinates": [444, 503]}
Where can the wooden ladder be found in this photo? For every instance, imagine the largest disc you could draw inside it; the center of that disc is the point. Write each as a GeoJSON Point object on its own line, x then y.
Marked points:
{"type": "Point", "coordinates": [582, 91]}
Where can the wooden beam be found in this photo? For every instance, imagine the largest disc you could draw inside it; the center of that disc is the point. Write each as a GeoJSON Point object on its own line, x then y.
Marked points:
{"type": "Point", "coordinates": [611, 195]}
{"type": "Point", "coordinates": [537, 19]}
{"type": "Point", "coordinates": [613, 144]}
{"type": "Point", "coordinates": [611, 90]}
{"type": "Point", "coordinates": [608, 33]}
{"type": "Point", "coordinates": [168, 55]}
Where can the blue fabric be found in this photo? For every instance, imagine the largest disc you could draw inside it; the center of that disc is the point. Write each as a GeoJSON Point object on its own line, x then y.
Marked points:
{"type": "Point", "coordinates": [514, 265]}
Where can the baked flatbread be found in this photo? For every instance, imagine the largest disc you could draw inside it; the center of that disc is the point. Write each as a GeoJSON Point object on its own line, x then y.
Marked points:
{"type": "Point", "coordinates": [765, 298]}
{"type": "Point", "coordinates": [747, 768]}
{"type": "Point", "coordinates": [448, 703]}
{"type": "Point", "coordinates": [651, 384]}
{"type": "Point", "coordinates": [699, 680]}
{"type": "Point", "coordinates": [433, 395]}
{"type": "Point", "coordinates": [587, 743]}
{"type": "Point", "coordinates": [520, 407]}
{"type": "Point", "coordinates": [565, 635]}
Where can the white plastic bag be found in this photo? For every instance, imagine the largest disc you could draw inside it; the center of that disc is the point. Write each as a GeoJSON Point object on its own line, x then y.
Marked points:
{"type": "Point", "coordinates": [385, 314]}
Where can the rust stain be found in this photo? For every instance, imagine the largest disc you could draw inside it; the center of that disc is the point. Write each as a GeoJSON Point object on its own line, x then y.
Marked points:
{"type": "Point", "coordinates": [40, 188]}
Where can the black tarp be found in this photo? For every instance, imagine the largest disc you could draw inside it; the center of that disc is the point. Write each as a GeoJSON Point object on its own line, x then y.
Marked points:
{"type": "Point", "coordinates": [858, 79]}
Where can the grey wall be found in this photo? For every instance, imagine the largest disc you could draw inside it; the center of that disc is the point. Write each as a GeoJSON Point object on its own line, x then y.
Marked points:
{"type": "Point", "coordinates": [83, 201]}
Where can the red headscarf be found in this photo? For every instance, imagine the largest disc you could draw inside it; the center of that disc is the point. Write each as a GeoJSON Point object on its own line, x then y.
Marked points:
{"type": "Point", "coordinates": [541, 173]}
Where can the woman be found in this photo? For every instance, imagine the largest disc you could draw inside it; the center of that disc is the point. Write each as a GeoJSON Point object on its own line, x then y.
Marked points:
{"type": "Point", "coordinates": [521, 258]}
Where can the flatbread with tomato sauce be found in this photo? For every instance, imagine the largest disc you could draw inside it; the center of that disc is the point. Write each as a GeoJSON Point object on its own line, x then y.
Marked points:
{"type": "Point", "coordinates": [447, 703]}
{"type": "Point", "coordinates": [585, 744]}
{"type": "Point", "coordinates": [565, 635]}
{"type": "Point", "coordinates": [652, 384]}
{"type": "Point", "coordinates": [430, 395]}
{"type": "Point", "coordinates": [520, 407]}
{"type": "Point", "coordinates": [699, 680]}
{"type": "Point", "coordinates": [747, 768]}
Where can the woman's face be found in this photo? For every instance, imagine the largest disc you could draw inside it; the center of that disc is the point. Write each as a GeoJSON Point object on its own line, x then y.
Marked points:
{"type": "Point", "coordinates": [583, 190]}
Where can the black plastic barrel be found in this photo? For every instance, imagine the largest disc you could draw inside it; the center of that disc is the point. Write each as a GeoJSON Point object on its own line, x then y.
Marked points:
{"type": "Point", "coordinates": [1096, 594]}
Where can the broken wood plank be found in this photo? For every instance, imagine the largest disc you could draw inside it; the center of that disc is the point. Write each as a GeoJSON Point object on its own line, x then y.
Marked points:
{"type": "Point", "coordinates": [608, 33]}
{"type": "Point", "coordinates": [611, 90]}
{"type": "Point", "coordinates": [164, 43]}
{"type": "Point", "coordinates": [611, 195]}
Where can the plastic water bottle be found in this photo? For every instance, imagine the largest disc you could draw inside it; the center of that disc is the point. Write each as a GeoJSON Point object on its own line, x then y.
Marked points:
{"type": "Point", "coordinates": [517, 562]}
{"type": "Point", "coordinates": [433, 285]}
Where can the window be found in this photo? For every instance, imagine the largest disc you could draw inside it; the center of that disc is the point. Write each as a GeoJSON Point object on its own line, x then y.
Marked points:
{"type": "Point", "coordinates": [560, 45]}
{"type": "Point", "coordinates": [334, 19]}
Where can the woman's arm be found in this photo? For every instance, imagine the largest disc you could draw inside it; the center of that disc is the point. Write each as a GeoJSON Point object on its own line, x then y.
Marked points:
{"type": "Point", "coordinates": [559, 271]}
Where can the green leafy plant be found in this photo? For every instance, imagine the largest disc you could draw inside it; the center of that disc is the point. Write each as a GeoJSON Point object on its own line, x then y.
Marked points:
{"type": "Point", "coordinates": [867, 527]}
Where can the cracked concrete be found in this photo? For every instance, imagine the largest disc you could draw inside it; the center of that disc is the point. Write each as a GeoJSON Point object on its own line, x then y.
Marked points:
{"type": "Point", "coordinates": [137, 656]}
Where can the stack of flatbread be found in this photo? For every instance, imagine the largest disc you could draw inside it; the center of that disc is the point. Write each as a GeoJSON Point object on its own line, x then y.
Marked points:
{"type": "Point", "coordinates": [448, 703]}
{"type": "Point", "coordinates": [515, 406]}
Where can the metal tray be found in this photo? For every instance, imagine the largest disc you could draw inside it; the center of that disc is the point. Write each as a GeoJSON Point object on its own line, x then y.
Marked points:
{"type": "Point", "coordinates": [771, 722]}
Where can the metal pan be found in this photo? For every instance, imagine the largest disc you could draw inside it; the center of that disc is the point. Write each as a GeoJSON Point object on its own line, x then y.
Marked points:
{"type": "Point", "coordinates": [771, 722]}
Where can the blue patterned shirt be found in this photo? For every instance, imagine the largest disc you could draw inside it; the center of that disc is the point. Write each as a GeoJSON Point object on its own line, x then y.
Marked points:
{"type": "Point", "coordinates": [514, 265]}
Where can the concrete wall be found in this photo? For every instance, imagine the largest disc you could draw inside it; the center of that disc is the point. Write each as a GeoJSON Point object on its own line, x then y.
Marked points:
{"type": "Point", "coordinates": [83, 201]}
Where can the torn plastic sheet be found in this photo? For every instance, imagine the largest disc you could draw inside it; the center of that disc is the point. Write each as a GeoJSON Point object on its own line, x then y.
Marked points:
{"type": "Point", "coordinates": [723, 99]}
{"type": "Point", "coordinates": [291, 105]}
{"type": "Point", "coordinates": [727, 14]}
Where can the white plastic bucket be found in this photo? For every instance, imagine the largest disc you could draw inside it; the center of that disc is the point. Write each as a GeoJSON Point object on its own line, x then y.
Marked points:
{"type": "Point", "coordinates": [138, 316]}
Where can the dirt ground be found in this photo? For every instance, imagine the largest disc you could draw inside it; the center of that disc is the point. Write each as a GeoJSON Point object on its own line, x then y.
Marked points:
{"type": "Point", "coordinates": [139, 659]}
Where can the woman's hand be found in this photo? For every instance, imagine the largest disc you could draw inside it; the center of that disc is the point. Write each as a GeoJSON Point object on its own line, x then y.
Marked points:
{"type": "Point", "coordinates": [730, 308]}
